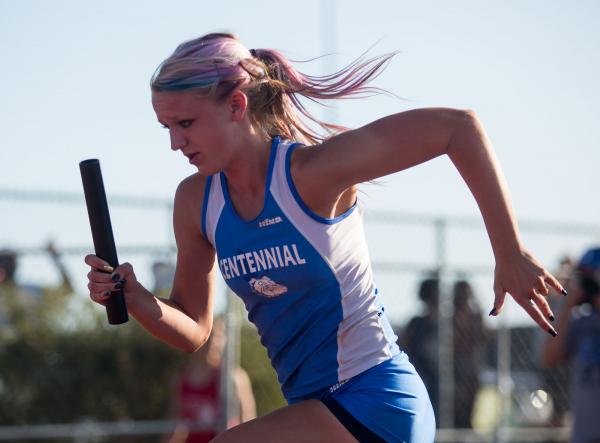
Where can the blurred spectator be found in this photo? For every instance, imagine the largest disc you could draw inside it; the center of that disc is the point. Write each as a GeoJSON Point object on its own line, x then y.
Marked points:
{"type": "Point", "coordinates": [470, 338]}
{"type": "Point", "coordinates": [556, 378]}
{"type": "Point", "coordinates": [420, 339]}
{"type": "Point", "coordinates": [27, 307]}
{"type": "Point", "coordinates": [8, 266]}
{"type": "Point", "coordinates": [197, 399]}
{"type": "Point", "coordinates": [579, 342]}
{"type": "Point", "coordinates": [65, 281]}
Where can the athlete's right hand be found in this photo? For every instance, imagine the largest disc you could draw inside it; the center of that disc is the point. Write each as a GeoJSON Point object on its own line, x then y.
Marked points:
{"type": "Point", "coordinates": [103, 279]}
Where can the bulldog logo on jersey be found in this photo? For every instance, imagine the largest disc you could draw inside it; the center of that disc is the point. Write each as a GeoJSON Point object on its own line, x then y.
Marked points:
{"type": "Point", "coordinates": [267, 287]}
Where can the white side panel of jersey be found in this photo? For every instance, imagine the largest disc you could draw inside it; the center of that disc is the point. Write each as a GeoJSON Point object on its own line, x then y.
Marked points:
{"type": "Point", "coordinates": [216, 202]}
{"type": "Point", "coordinates": [363, 341]}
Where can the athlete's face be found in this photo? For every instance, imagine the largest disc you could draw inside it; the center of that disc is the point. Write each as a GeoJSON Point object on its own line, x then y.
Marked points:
{"type": "Point", "coordinates": [198, 127]}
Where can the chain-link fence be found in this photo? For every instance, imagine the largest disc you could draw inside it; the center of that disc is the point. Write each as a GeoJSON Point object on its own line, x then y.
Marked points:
{"type": "Point", "coordinates": [483, 374]}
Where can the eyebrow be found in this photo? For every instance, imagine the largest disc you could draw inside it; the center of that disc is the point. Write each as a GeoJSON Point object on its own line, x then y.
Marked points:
{"type": "Point", "coordinates": [178, 117]}
{"type": "Point", "coordinates": [175, 119]}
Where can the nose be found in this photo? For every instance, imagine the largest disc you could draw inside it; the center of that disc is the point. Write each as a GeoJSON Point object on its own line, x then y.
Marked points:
{"type": "Point", "coordinates": [178, 141]}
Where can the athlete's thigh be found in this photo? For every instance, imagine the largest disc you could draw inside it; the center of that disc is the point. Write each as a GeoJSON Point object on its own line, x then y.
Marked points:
{"type": "Point", "coordinates": [308, 421]}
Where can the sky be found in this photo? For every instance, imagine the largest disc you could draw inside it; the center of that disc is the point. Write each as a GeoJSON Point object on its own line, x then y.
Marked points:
{"type": "Point", "coordinates": [75, 79]}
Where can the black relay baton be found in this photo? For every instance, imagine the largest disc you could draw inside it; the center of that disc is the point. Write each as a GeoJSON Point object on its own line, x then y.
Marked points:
{"type": "Point", "coordinates": [102, 234]}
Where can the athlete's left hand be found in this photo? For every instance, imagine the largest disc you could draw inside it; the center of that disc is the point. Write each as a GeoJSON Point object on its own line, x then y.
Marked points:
{"type": "Point", "coordinates": [522, 276]}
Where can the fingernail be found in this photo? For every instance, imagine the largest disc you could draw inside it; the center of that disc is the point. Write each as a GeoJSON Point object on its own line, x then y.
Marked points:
{"type": "Point", "coordinates": [493, 311]}
{"type": "Point", "coordinates": [564, 292]}
{"type": "Point", "coordinates": [552, 332]}
{"type": "Point", "coordinates": [115, 277]}
{"type": "Point", "coordinates": [108, 268]}
{"type": "Point", "coordinates": [551, 317]}
{"type": "Point", "coordinates": [119, 285]}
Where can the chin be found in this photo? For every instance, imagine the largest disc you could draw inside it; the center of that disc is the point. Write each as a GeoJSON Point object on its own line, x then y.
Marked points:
{"type": "Point", "coordinates": [206, 170]}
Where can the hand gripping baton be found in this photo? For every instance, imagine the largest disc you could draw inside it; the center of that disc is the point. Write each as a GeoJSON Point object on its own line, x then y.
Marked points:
{"type": "Point", "coordinates": [102, 233]}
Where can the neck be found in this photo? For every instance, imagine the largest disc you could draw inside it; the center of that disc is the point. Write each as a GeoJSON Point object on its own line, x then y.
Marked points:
{"type": "Point", "coordinates": [247, 172]}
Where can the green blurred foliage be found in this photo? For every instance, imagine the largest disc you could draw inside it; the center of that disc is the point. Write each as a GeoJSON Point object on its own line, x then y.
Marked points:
{"type": "Point", "coordinates": [60, 362]}
{"type": "Point", "coordinates": [101, 372]}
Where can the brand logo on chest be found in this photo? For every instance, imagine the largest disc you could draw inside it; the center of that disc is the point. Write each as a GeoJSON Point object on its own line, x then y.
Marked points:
{"type": "Point", "coordinates": [269, 221]}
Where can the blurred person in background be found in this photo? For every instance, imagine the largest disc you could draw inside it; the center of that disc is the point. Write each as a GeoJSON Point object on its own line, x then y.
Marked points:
{"type": "Point", "coordinates": [56, 258]}
{"type": "Point", "coordinates": [273, 207]}
{"type": "Point", "coordinates": [8, 289]}
{"type": "Point", "coordinates": [556, 377]}
{"type": "Point", "coordinates": [469, 337]}
{"type": "Point", "coordinates": [580, 345]}
{"type": "Point", "coordinates": [25, 306]}
{"type": "Point", "coordinates": [8, 267]}
{"type": "Point", "coordinates": [197, 393]}
{"type": "Point", "coordinates": [420, 339]}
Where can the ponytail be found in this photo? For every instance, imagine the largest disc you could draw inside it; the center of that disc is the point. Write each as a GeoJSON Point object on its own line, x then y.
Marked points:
{"type": "Point", "coordinates": [217, 64]}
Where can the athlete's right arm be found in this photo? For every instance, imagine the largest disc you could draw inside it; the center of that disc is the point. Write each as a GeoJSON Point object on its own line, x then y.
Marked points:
{"type": "Point", "coordinates": [184, 320]}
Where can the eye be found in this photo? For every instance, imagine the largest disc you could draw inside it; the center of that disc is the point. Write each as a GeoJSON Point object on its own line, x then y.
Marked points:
{"type": "Point", "coordinates": [185, 123]}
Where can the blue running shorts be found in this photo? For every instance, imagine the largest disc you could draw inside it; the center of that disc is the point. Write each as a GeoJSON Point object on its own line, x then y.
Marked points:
{"type": "Point", "coordinates": [386, 403]}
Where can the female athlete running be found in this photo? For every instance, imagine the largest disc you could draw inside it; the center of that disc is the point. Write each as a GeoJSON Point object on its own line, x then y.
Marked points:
{"type": "Point", "coordinates": [273, 207]}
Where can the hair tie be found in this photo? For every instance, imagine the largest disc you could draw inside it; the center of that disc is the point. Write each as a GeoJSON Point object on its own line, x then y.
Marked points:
{"type": "Point", "coordinates": [253, 52]}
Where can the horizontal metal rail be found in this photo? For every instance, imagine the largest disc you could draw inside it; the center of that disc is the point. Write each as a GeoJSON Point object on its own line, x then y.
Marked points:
{"type": "Point", "coordinates": [21, 195]}
{"type": "Point", "coordinates": [386, 217]}
{"type": "Point", "coordinates": [91, 429]}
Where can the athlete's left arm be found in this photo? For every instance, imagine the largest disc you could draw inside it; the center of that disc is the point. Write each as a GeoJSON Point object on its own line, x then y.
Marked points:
{"type": "Point", "coordinates": [403, 140]}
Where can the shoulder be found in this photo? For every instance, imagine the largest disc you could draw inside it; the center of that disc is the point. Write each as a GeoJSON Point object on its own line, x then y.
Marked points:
{"type": "Point", "coordinates": [314, 178]}
{"type": "Point", "coordinates": [191, 186]}
{"type": "Point", "coordinates": [190, 190]}
{"type": "Point", "coordinates": [303, 153]}
{"type": "Point", "coordinates": [414, 323]}
{"type": "Point", "coordinates": [189, 201]}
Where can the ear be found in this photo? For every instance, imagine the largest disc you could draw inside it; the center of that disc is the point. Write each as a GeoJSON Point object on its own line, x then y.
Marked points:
{"type": "Point", "coordinates": [238, 104]}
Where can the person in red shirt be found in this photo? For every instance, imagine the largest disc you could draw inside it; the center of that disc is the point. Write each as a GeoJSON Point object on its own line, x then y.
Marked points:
{"type": "Point", "coordinates": [197, 404]}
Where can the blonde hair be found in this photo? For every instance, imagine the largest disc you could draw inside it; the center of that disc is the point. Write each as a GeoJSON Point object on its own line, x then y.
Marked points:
{"type": "Point", "coordinates": [216, 64]}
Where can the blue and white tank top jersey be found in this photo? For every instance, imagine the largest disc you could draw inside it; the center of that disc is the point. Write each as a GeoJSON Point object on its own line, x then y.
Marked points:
{"type": "Point", "coordinates": [306, 281]}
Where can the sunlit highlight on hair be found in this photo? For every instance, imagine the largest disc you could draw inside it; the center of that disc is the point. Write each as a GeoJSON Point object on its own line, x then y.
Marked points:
{"type": "Point", "coordinates": [216, 64]}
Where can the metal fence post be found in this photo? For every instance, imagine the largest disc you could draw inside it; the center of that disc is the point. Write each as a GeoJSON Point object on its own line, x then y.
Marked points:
{"type": "Point", "coordinates": [230, 412]}
{"type": "Point", "coordinates": [445, 332]}
{"type": "Point", "coordinates": [504, 381]}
